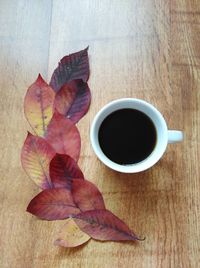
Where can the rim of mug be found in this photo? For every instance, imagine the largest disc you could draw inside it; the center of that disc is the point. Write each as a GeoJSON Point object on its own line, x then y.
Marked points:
{"type": "Point", "coordinates": [157, 119]}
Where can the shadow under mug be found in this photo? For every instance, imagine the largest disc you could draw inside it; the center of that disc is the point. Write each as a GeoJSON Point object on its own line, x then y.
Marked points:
{"type": "Point", "coordinates": [164, 136]}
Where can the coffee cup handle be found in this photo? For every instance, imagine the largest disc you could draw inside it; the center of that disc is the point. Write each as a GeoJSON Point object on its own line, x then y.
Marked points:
{"type": "Point", "coordinates": [175, 136]}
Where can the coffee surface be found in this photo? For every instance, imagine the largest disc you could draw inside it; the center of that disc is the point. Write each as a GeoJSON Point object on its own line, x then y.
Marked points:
{"type": "Point", "coordinates": [127, 136]}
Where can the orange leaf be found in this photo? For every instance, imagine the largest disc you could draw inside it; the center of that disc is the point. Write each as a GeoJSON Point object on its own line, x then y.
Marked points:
{"type": "Point", "coordinates": [35, 157]}
{"type": "Point", "coordinates": [71, 235]}
{"type": "Point", "coordinates": [38, 105]}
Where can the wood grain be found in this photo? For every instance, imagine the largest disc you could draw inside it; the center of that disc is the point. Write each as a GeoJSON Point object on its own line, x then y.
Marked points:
{"type": "Point", "coordinates": [147, 49]}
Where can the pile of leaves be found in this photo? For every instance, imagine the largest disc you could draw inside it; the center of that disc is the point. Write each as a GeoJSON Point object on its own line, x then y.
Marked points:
{"type": "Point", "coordinates": [50, 155]}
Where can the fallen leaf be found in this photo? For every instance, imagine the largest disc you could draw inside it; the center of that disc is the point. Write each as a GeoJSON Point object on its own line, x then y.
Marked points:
{"type": "Point", "coordinates": [73, 66]}
{"type": "Point", "coordinates": [71, 235]}
{"type": "Point", "coordinates": [52, 111]}
{"type": "Point", "coordinates": [36, 155]}
{"type": "Point", "coordinates": [73, 100]}
{"type": "Point", "coordinates": [38, 105]}
{"type": "Point", "coordinates": [63, 169]}
{"type": "Point", "coordinates": [103, 225]}
{"type": "Point", "coordinates": [53, 204]}
{"type": "Point", "coordinates": [86, 195]}
{"type": "Point", "coordinates": [63, 136]}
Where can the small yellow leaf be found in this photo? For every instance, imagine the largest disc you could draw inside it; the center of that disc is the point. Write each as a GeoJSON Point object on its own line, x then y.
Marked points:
{"type": "Point", "coordinates": [71, 236]}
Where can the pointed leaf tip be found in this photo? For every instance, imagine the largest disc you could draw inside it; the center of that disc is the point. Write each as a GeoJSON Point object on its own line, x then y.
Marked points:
{"type": "Point", "coordinates": [40, 81]}
{"type": "Point", "coordinates": [39, 77]}
{"type": "Point", "coordinates": [104, 225]}
{"type": "Point", "coordinates": [71, 67]}
{"type": "Point", "coordinates": [29, 134]}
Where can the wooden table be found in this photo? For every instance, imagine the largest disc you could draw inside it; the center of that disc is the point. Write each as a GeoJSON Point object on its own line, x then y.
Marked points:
{"type": "Point", "coordinates": [147, 49]}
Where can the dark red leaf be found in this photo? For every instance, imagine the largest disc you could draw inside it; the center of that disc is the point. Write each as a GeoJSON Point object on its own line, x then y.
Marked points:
{"type": "Point", "coordinates": [86, 195]}
{"type": "Point", "coordinates": [53, 204]}
{"type": "Point", "coordinates": [103, 225]}
{"type": "Point", "coordinates": [73, 66]}
{"type": "Point", "coordinates": [36, 155]}
{"type": "Point", "coordinates": [73, 100]}
{"type": "Point", "coordinates": [63, 136]}
{"type": "Point", "coordinates": [63, 169]}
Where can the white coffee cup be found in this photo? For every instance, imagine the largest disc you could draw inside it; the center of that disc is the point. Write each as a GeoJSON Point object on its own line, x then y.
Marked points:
{"type": "Point", "coordinates": [164, 136]}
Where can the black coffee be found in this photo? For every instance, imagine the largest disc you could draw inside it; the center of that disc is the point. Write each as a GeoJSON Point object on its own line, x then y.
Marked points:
{"type": "Point", "coordinates": [127, 136]}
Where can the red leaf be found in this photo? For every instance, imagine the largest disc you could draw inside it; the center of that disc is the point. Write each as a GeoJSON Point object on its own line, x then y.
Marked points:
{"type": "Point", "coordinates": [86, 195]}
{"type": "Point", "coordinates": [36, 155]}
{"type": "Point", "coordinates": [53, 204]}
{"type": "Point", "coordinates": [103, 225]}
{"type": "Point", "coordinates": [38, 105]}
{"type": "Point", "coordinates": [63, 136]}
{"type": "Point", "coordinates": [73, 66]}
{"type": "Point", "coordinates": [63, 169]}
{"type": "Point", "coordinates": [73, 100]}
{"type": "Point", "coordinates": [71, 235]}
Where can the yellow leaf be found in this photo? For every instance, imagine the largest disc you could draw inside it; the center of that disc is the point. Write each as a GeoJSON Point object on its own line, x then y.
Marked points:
{"type": "Point", "coordinates": [38, 105]}
{"type": "Point", "coordinates": [71, 236]}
